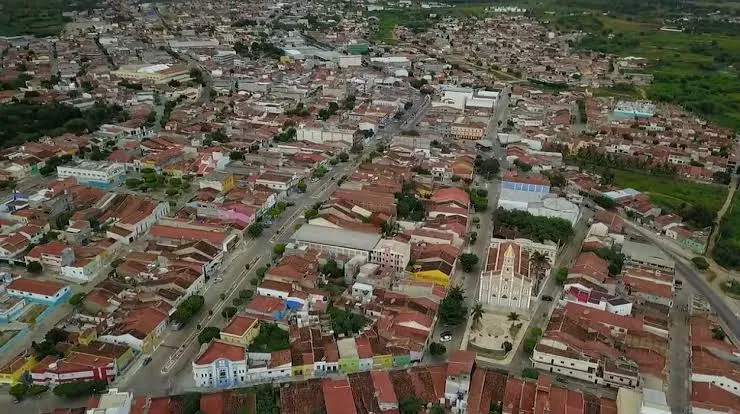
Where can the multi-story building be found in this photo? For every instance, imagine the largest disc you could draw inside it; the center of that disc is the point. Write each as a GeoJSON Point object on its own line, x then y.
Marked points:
{"type": "Point", "coordinates": [391, 254]}
{"type": "Point", "coordinates": [94, 174]}
{"type": "Point", "coordinates": [220, 365]}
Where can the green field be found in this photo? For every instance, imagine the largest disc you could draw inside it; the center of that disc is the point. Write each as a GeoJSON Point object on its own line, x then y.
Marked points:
{"type": "Point", "coordinates": [672, 193]}
{"type": "Point", "coordinates": [37, 17]}
{"type": "Point", "coordinates": [698, 68]}
{"type": "Point", "coordinates": [419, 20]}
{"type": "Point", "coordinates": [727, 249]}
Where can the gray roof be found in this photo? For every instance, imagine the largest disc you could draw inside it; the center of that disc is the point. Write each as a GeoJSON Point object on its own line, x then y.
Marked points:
{"type": "Point", "coordinates": [329, 236]}
{"type": "Point", "coordinates": [646, 253]}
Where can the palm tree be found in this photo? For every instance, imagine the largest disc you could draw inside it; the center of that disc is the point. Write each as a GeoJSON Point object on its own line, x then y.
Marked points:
{"type": "Point", "coordinates": [539, 263]}
{"type": "Point", "coordinates": [513, 316]}
{"type": "Point", "coordinates": [477, 314]}
{"type": "Point", "coordinates": [390, 228]}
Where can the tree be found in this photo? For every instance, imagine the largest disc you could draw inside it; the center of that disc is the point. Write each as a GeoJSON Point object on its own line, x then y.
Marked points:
{"type": "Point", "coordinates": [343, 157]}
{"type": "Point", "coordinates": [208, 334]}
{"type": "Point", "coordinates": [410, 405]}
{"type": "Point", "coordinates": [76, 299]}
{"type": "Point", "coordinates": [561, 275]}
{"type": "Point", "coordinates": [477, 314]}
{"type": "Point", "coordinates": [700, 263]}
{"type": "Point", "coordinates": [79, 389]}
{"type": "Point", "coordinates": [35, 267]}
{"type": "Point", "coordinates": [18, 391]}
{"type": "Point", "coordinates": [236, 155]}
{"type": "Point", "coordinates": [488, 168]}
{"type": "Point", "coordinates": [278, 249]}
{"type": "Point", "coordinates": [437, 409]}
{"type": "Point", "coordinates": [56, 335]}
{"type": "Point", "coordinates": [245, 293]}
{"type": "Point", "coordinates": [468, 261]}
{"type": "Point", "coordinates": [513, 316]}
{"type": "Point", "coordinates": [607, 178]}
{"type": "Point", "coordinates": [255, 230]}
{"type": "Point", "coordinates": [437, 349]}
{"type": "Point", "coordinates": [270, 338]}
{"type": "Point", "coordinates": [718, 333]}
{"type": "Point", "coordinates": [530, 373]}
{"type": "Point", "coordinates": [389, 228]}
{"type": "Point", "coordinates": [507, 346]}
{"type": "Point", "coordinates": [301, 186]}
{"type": "Point", "coordinates": [539, 263]}
{"type": "Point", "coordinates": [310, 214]}
{"type": "Point", "coordinates": [452, 309]}
{"type": "Point", "coordinates": [228, 312]}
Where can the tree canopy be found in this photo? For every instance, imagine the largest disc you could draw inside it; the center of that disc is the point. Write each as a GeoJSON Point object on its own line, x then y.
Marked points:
{"type": "Point", "coordinates": [452, 309]}
{"type": "Point", "coordinates": [516, 223]}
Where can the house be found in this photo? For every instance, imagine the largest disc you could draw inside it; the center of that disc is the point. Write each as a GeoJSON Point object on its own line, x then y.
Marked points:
{"type": "Point", "coordinates": [94, 174]}
{"type": "Point", "coordinates": [383, 390]}
{"type": "Point", "coordinates": [139, 327]}
{"type": "Point", "coordinates": [37, 291]}
{"type": "Point", "coordinates": [220, 365]}
{"type": "Point", "coordinates": [241, 330]}
{"type": "Point", "coordinates": [73, 367]}
{"type": "Point", "coordinates": [274, 181]}
{"type": "Point", "coordinates": [52, 256]}
{"type": "Point", "coordinates": [222, 182]}
{"type": "Point", "coordinates": [11, 372]}
{"type": "Point", "coordinates": [391, 254]}
{"type": "Point", "coordinates": [641, 254]}
{"type": "Point", "coordinates": [267, 306]}
{"type": "Point", "coordinates": [457, 383]}
{"type": "Point", "coordinates": [338, 396]}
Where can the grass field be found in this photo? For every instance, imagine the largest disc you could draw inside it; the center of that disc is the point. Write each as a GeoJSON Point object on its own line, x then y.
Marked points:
{"type": "Point", "coordinates": [6, 336]}
{"type": "Point", "coordinates": [37, 17]}
{"type": "Point", "coordinates": [696, 70]}
{"type": "Point", "coordinates": [672, 193]}
{"type": "Point", "coordinates": [420, 19]}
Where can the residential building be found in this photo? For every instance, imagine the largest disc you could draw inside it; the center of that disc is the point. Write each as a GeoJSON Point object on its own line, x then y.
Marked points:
{"type": "Point", "coordinates": [391, 254]}
{"type": "Point", "coordinates": [220, 365]}
{"type": "Point", "coordinates": [457, 383]}
{"type": "Point", "coordinates": [94, 174]}
{"type": "Point", "coordinates": [37, 291]}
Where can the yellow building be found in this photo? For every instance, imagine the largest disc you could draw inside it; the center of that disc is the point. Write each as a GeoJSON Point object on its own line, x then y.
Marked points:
{"type": "Point", "coordinates": [218, 181]}
{"type": "Point", "coordinates": [87, 336]}
{"type": "Point", "coordinates": [382, 361]}
{"type": "Point", "coordinates": [12, 371]}
{"type": "Point", "coordinates": [241, 330]}
{"type": "Point", "coordinates": [435, 271]}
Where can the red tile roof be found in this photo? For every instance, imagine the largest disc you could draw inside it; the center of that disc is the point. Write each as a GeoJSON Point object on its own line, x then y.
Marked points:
{"type": "Point", "coordinates": [39, 287]}
{"type": "Point", "coordinates": [265, 304]}
{"type": "Point", "coordinates": [460, 362]}
{"type": "Point", "coordinates": [218, 350]}
{"type": "Point", "coordinates": [338, 396]}
{"type": "Point", "coordinates": [383, 387]}
{"type": "Point", "coordinates": [239, 325]}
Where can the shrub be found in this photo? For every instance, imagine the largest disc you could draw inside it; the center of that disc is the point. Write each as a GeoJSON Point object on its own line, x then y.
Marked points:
{"type": "Point", "coordinates": [530, 373]}
{"type": "Point", "coordinates": [700, 263]}
{"type": "Point", "coordinates": [79, 389]}
{"type": "Point", "coordinates": [436, 349]}
{"type": "Point", "coordinates": [76, 299]}
{"type": "Point", "coordinates": [35, 267]}
{"type": "Point", "coordinates": [208, 334]}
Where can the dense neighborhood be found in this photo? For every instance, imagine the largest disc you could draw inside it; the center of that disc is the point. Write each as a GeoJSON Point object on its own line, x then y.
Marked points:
{"type": "Point", "coordinates": [312, 207]}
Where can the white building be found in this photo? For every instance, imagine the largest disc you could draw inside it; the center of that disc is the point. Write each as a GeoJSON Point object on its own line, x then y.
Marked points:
{"type": "Point", "coordinates": [220, 365]}
{"type": "Point", "coordinates": [279, 182]}
{"type": "Point", "coordinates": [457, 382]}
{"type": "Point", "coordinates": [506, 280]}
{"type": "Point", "coordinates": [95, 174]}
{"type": "Point", "coordinates": [391, 254]}
{"type": "Point", "coordinates": [112, 402]}
{"type": "Point", "coordinates": [322, 133]}
{"type": "Point", "coordinates": [336, 242]}
{"type": "Point", "coordinates": [350, 61]}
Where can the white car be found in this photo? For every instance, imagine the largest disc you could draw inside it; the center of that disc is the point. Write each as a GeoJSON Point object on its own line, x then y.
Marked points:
{"type": "Point", "coordinates": [445, 337]}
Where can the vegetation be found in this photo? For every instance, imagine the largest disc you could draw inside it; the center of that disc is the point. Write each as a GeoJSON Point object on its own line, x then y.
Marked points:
{"type": "Point", "coordinates": [718, 333]}
{"type": "Point", "coordinates": [410, 405]}
{"type": "Point", "coordinates": [409, 206]}
{"type": "Point", "coordinates": [468, 261]}
{"type": "Point", "coordinates": [345, 322]}
{"type": "Point", "coordinates": [34, 267]}
{"type": "Point", "coordinates": [37, 17]}
{"type": "Point", "coordinates": [479, 199]}
{"type": "Point", "coordinates": [614, 257]}
{"type": "Point", "coordinates": [76, 299]}
{"type": "Point", "coordinates": [79, 389]}
{"type": "Point", "coordinates": [187, 309]}
{"type": "Point", "coordinates": [452, 309]}
{"type": "Point", "coordinates": [700, 263]}
{"type": "Point", "coordinates": [477, 314]}
{"type": "Point", "coordinates": [727, 248]}
{"type": "Point", "coordinates": [278, 249]}
{"type": "Point", "coordinates": [255, 230]}
{"type": "Point", "coordinates": [732, 288]}
{"type": "Point", "coordinates": [332, 269]}
{"type": "Point", "coordinates": [208, 334]}
{"type": "Point", "coordinates": [530, 373]}
{"type": "Point", "coordinates": [530, 341]}
{"type": "Point", "coordinates": [271, 338]}
{"type": "Point", "coordinates": [437, 349]}
{"type": "Point", "coordinates": [561, 275]}
{"type": "Point", "coordinates": [517, 223]}
{"type": "Point", "coordinates": [487, 168]}
{"type": "Point", "coordinates": [26, 121]}
{"type": "Point", "coordinates": [228, 312]}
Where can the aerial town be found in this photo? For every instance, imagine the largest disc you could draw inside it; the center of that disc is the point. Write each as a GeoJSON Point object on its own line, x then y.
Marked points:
{"type": "Point", "coordinates": [357, 207]}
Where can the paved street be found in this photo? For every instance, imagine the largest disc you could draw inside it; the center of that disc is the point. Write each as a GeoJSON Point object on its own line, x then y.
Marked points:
{"type": "Point", "coordinates": [685, 269]}
{"type": "Point", "coordinates": [679, 367]}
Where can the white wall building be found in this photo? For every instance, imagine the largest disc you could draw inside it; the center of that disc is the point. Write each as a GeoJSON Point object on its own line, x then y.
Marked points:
{"type": "Point", "coordinates": [95, 174]}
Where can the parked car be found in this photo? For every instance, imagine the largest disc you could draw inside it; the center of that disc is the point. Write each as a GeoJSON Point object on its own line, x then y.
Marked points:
{"type": "Point", "coordinates": [445, 336]}
{"type": "Point", "coordinates": [147, 360]}
{"type": "Point", "coordinates": [547, 298]}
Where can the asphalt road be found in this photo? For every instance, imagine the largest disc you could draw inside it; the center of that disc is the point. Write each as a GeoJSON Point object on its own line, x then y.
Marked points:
{"type": "Point", "coordinates": [686, 270]}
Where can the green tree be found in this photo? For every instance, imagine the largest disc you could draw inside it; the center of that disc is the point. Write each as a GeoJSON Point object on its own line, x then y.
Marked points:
{"type": "Point", "coordinates": [561, 275]}
{"type": "Point", "coordinates": [34, 267]}
{"type": "Point", "coordinates": [270, 338]}
{"type": "Point", "coordinates": [343, 157]}
{"type": "Point", "coordinates": [530, 373]}
{"type": "Point", "coordinates": [255, 230]}
{"type": "Point", "coordinates": [468, 261]}
{"type": "Point", "coordinates": [718, 333]}
{"type": "Point", "coordinates": [437, 349]}
{"type": "Point", "coordinates": [477, 314]}
{"type": "Point", "coordinates": [310, 214]}
{"type": "Point", "coordinates": [278, 249]}
{"type": "Point", "coordinates": [18, 391]}
{"type": "Point", "coordinates": [410, 405]}
{"type": "Point", "coordinates": [76, 299]}
{"type": "Point", "coordinates": [700, 263]}
{"type": "Point", "coordinates": [228, 312]}
{"type": "Point", "coordinates": [452, 309]}
{"type": "Point", "coordinates": [208, 334]}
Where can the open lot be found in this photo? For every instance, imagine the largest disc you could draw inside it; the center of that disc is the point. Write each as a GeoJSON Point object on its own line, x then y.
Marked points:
{"type": "Point", "coordinates": [670, 192]}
